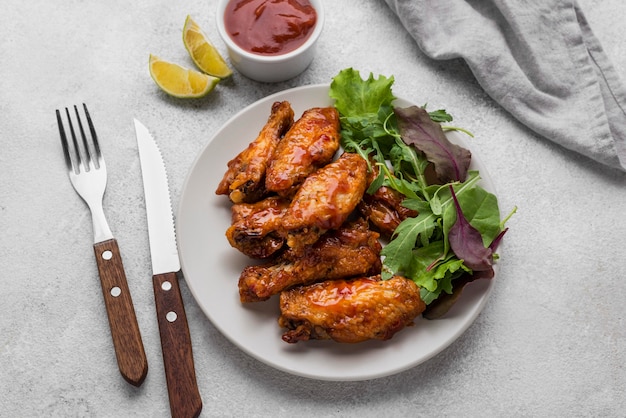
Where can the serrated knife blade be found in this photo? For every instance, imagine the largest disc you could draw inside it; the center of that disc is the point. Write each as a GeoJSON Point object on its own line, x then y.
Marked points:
{"type": "Point", "coordinates": [163, 249]}
{"type": "Point", "coordinates": [182, 388]}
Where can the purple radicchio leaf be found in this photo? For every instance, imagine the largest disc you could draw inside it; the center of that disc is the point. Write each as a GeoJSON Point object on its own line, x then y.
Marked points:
{"type": "Point", "coordinates": [418, 129]}
{"type": "Point", "coordinates": [496, 241]}
{"type": "Point", "coordinates": [467, 243]}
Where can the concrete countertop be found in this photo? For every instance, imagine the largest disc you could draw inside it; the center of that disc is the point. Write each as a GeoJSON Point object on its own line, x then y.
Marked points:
{"type": "Point", "coordinates": [551, 340]}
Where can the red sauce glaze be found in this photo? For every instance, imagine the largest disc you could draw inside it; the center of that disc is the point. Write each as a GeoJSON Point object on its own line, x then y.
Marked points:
{"type": "Point", "coordinates": [269, 27]}
{"type": "Point", "coordinates": [339, 296]}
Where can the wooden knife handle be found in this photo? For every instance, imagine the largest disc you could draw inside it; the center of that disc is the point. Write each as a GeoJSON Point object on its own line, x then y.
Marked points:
{"type": "Point", "coordinates": [131, 357]}
{"type": "Point", "coordinates": [182, 387]}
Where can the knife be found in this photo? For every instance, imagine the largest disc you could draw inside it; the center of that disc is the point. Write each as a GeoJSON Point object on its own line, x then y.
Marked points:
{"type": "Point", "coordinates": [182, 387]}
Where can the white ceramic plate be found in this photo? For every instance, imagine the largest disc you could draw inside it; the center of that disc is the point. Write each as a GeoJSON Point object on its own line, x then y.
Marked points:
{"type": "Point", "coordinates": [212, 267]}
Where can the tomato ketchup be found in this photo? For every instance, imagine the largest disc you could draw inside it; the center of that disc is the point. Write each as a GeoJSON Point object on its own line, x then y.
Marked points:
{"type": "Point", "coordinates": [269, 27]}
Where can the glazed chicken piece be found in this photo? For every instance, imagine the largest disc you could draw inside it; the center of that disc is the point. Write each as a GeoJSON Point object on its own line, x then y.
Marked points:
{"type": "Point", "coordinates": [325, 200]}
{"type": "Point", "coordinates": [244, 180]}
{"type": "Point", "coordinates": [353, 250]}
{"type": "Point", "coordinates": [311, 143]}
{"type": "Point", "coordinates": [255, 227]}
{"type": "Point", "coordinates": [384, 210]}
{"type": "Point", "coordinates": [349, 311]}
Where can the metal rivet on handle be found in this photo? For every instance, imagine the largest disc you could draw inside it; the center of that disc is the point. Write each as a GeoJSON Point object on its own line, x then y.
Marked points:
{"type": "Point", "coordinates": [171, 316]}
{"type": "Point", "coordinates": [116, 291]}
{"type": "Point", "coordinates": [166, 286]}
{"type": "Point", "coordinates": [107, 255]}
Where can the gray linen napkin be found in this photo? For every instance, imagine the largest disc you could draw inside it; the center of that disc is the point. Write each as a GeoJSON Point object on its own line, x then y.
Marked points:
{"type": "Point", "coordinates": [538, 58]}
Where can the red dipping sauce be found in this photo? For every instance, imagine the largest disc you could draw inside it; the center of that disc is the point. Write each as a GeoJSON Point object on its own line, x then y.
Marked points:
{"type": "Point", "coordinates": [269, 27]}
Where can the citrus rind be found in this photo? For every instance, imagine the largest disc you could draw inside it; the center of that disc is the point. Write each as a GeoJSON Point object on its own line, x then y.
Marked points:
{"type": "Point", "coordinates": [203, 52]}
{"type": "Point", "coordinates": [179, 81]}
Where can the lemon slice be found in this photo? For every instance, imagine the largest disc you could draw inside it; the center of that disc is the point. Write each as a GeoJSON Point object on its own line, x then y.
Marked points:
{"type": "Point", "coordinates": [179, 81]}
{"type": "Point", "coordinates": [203, 52]}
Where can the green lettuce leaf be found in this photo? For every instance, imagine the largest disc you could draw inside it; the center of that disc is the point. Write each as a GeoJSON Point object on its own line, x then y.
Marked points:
{"type": "Point", "coordinates": [355, 97]}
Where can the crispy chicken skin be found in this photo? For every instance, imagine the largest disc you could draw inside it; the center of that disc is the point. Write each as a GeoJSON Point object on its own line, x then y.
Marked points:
{"type": "Point", "coordinates": [255, 227]}
{"type": "Point", "coordinates": [349, 311]}
{"type": "Point", "coordinates": [352, 250]}
{"type": "Point", "coordinates": [244, 180]}
{"type": "Point", "coordinates": [325, 200]}
{"type": "Point", "coordinates": [311, 143]}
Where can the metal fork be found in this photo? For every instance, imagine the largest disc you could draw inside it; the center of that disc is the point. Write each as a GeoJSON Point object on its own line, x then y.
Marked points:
{"type": "Point", "coordinates": [88, 175]}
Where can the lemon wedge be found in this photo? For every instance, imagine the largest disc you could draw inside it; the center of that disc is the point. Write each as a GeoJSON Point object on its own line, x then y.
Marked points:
{"type": "Point", "coordinates": [203, 52]}
{"type": "Point", "coordinates": [179, 81]}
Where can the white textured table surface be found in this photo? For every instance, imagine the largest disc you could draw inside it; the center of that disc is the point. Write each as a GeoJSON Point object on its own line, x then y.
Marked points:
{"type": "Point", "coordinates": [550, 342]}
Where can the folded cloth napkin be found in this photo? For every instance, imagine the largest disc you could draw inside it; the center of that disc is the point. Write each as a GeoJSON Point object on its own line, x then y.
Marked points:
{"type": "Point", "coordinates": [538, 58]}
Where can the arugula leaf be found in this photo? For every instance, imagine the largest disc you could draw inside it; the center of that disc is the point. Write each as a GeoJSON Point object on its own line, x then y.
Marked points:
{"type": "Point", "coordinates": [398, 252]}
{"type": "Point", "coordinates": [443, 276]}
{"type": "Point", "coordinates": [433, 273]}
{"type": "Point", "coordinates": [440, 115]}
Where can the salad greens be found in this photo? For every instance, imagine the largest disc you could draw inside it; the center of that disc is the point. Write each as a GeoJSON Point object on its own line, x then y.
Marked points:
{"type": "Point", "coordinates": [458, 226]}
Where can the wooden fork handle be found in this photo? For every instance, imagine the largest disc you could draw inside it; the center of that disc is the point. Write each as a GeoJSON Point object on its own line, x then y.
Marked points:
{"type": "Point", "coordinates": [131, 357]}
{"type": "Point", "coordinates": [182, 388]}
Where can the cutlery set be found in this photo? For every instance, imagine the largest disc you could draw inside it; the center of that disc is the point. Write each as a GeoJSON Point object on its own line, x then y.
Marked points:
{"type": "Point", "coordinates": [88, 176]}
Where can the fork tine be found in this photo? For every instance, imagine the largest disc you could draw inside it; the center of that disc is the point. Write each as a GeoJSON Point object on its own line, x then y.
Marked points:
{"type": "Point", "coordinates": [80, 164]}
{"type": "Point", "coordinates": [94, 137]}
{"type": "Point", "coordinates": [64, 143]}
{"type": "Point", "coordinates": [89, 161]}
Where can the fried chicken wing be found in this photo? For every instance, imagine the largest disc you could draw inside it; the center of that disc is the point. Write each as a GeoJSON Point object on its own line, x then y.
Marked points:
{"type": "Point", "coordinates": [311, 143]}
{"type": "Point", "coordinates": [244, 180]}
{"type": "Point", "coordinates": [325, 200]}
{"type": "Point", "coordinates": [255, 227]}
{"type": "Point", "coordinates": [349, 311]}
{"type": "Point", "coordinates": [384, 210]}
{"type": "Point", "coordinates": [350, 251]}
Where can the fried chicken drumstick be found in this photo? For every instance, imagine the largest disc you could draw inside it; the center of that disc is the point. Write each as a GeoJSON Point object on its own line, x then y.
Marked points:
{"type": "Point", "coordinates": [244, 181]}
{"type": "Point", "coordinates": [352, 250]}
{"type": "Point", "coordinates": [349, 311]}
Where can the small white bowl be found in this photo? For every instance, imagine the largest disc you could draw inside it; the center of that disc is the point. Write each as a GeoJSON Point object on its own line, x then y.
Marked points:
{"type": "Point", "coordinates": [271, 68]}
